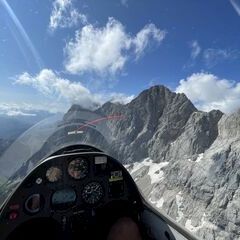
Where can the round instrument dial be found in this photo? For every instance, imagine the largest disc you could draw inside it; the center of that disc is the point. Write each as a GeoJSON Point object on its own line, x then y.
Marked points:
{"type": "Point", "coordinates": [54, 174]}
{"type": "Point", "coordinates": [78, 168]}
{"type": "Point", "coordinates": [92, 193]}
{"type": "Point", "coordinates": [34, 203]}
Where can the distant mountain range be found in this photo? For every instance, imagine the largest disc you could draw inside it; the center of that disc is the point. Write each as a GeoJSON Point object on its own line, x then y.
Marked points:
{"type": "Point", "coordinates": [13, 126]}
{"type": "Point", "coordinates": [185, 161]}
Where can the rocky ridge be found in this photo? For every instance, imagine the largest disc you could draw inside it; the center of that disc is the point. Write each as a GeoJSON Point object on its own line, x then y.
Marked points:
{"type": "Point", "coordinates": [198, 157]}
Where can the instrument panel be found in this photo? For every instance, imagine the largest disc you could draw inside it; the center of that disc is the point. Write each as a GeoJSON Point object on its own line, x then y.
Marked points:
{"type": "Point", "coordinates": [66, 186]}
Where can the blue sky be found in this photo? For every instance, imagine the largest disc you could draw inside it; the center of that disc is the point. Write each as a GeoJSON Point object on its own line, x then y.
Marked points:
{"type": "Point", "coordinates": [59, 52]}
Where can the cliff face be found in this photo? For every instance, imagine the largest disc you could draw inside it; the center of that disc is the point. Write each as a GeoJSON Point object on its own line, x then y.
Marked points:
{"type": "Point", "coordinates": [152, 121]}
{"type": "Point", "coordinates": [191, 167]}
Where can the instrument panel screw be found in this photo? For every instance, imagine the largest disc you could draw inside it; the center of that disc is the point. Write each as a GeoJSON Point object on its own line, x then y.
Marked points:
{"type": "Point", "coordinates": [39, 180]}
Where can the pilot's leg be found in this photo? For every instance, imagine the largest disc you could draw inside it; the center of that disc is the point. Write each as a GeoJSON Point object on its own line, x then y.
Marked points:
{"type": "Point", "coordinates": [125, 228]}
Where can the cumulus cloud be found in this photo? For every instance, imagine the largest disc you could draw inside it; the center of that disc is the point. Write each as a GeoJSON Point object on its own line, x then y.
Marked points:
{"type": "Point", "coordinates": [51, 84]}
{"type": "Point", "coordinates": [98, 49]}
{"type": "Point", "coordinates": [65, 15]}
{"type": "Point", "coordinates": [195, 49]}
{"type": "Point", "coordinates": [208, 92]}
{"type": "Point", "coordinates": [107, 49]}
{"type": "Point", "coordinates": [213, 56]}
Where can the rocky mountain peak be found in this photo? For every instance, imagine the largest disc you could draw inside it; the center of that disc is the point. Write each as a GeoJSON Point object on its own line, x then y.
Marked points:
{"type": "Point", "coordinates": [76, 112]}
{"type": "Point", "coordinates": [76, 107]}
{"type": "Point", "coordinates": [110, 107]}
{"type": "Point", "coordinates": [160, 93]}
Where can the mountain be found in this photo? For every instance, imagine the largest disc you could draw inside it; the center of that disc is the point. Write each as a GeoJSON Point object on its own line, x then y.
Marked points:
{"type": "Point", "coordinates": [4, 144]}
{"type": "Point", "coordinates": [16, 124]}
{"type": "Point", "coordinates": [154, 122]}
{"type": "Point", "coordinates": [185, 161]}
{"type": "Point", "coordinates": [13, 127]}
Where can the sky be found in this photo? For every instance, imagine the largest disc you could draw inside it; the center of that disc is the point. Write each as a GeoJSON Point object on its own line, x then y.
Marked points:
{"type": "Point", "coordinates": [54, 53]}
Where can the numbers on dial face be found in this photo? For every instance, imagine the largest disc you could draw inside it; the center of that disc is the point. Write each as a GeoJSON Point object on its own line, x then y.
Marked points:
{"type": "Point", "coordinates": [92, 193]}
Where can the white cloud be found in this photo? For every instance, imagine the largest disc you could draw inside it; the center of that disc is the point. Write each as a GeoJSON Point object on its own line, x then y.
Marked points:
{"type": "Point", "coordinates": [20, 113]}
{"type": "Point", "coordinates": [14, 110]}
{"type": "Point", "coordinates": [98, 49]}
{"type": "Point", "coordinates": [208, 92]}
{"type": "Point", "coordinates": [195, 49]}
{"type": "Point", "coordinates": [236, 5]}
{"type": "Point", "coordinates": [20, 109]}
{"type": "Point", "coordinates": [51, 84]}
{"type": "Point", "coordinates": [210, 56]}
{"type": "Point", "coordinates": [120, 98]}
{"type": "Point", "coordinates": [213, 56]}
{"type": "Point", "coordinates": [65, 15]}
{"type": "Point", "coordinates": [107, 49]}
{"type": "Point", "coordinates": [195, 53]}
{"type": "Point", "coordinates": [32, 109]}
{"type": "Point", "coordinates": [143, 37]}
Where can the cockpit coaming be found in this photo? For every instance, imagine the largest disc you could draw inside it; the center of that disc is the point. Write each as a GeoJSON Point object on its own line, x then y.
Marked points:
{"type": "Point", "coordinates": [77, 191]}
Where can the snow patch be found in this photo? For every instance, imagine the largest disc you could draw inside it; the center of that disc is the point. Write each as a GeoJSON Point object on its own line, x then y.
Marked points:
{"type": "Point", "coordinates": [204, 223]}
{"type": "Point", "coordinates": [158, 203]}
{"type": "Point", "coordinates": [200, 157]}
{"type": "Point", "coordinates": [179, 202]}
{"type": "Point", "coordinates": [192, 228]}
{"type": "Point", "coordinates": [155, 173]}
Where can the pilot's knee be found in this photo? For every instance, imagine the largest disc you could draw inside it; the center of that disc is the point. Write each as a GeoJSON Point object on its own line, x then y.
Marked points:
{"type": "Point", "coordinates": [124, 228]}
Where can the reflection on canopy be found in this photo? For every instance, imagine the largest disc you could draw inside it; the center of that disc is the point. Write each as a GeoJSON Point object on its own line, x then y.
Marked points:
{"type": "Point", "coordinates": [48, 136]}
